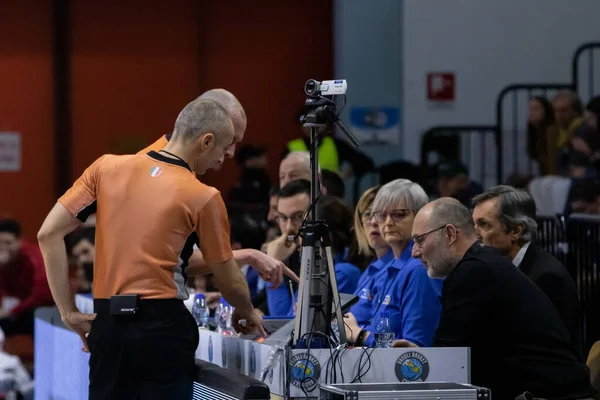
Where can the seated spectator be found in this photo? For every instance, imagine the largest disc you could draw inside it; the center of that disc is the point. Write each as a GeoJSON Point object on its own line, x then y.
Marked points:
{"type": "Point", "coordinates": [568, 114]}
{"type": "Point", "coordinates": [403, 290]}
{"type": "Point", "coordinates": [519, 181]}
{"type": "Point", "coordinates": [505, 219]}
{"type": "Point", "coordinates": [453, 181]}
{"type": "Point", "coordinates": [335, 154]}
{"type": "Point", "coordinates": [539, 118]}
{"type": "Point", "coordinates": [15, 381]}
{"type": "Point", "coordinates": [254, 183]}
{"type": "Point", "coordinates": [293, 203]}
{"type": "Point", "coordinates": [370, 244]}
{"type": "Point", "coordinates": [584, 196]}
{"type": "Point", "coordinates": [295, 165]}
{"type": "Point", "coordinates": [82, 249]}
{"type": "Point", "coordinates": [332, 184]}
{"type": "Point", "coordinates": [22, 275]}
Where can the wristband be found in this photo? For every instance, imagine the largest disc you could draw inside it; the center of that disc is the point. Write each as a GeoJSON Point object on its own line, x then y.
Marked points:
{"type": "Point", "coordinates": [360, 338]}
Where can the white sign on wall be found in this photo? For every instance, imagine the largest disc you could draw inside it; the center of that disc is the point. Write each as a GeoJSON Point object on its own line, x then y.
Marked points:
{"type": "Point", "coordinates": [10, 152]}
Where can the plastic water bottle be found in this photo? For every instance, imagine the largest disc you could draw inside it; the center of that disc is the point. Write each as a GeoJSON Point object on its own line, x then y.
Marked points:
{"type": "Point", "coordinates": [384, 335]}
{"type": "Point", "coordinates": [224, 315]}
{"type": "Point", "coordinates": [200, 311]}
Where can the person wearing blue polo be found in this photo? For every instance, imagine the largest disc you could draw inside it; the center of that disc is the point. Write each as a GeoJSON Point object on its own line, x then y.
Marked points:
{"type": "Point", "coordinates": [292, 204]}
{"type": "Point", "coordinates": [402, 290]}
{"type": "Point", "coordinates": [371, 244]}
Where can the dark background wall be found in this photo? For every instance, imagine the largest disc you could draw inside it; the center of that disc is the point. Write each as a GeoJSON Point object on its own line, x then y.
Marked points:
{"type": "Point", "coordinates": [133, 65]}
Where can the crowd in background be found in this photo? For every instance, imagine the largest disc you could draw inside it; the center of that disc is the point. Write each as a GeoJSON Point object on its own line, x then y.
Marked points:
{"type": "Point", "coordinates": [372, 243]}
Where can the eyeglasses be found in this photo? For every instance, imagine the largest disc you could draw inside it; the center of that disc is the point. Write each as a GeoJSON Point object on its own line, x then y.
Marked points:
{"type": "Point", "coordinates": [366, 216]}
{"type": "Point", "coordinates": [295, 218]}
{"type": "Point", "coordinates": [419, 239]}
{"type": "Point", "coordinates": [396, 215]}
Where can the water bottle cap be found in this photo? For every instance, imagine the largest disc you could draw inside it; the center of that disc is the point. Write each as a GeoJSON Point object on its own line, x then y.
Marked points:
{"type": "Point", "coordinates": [199, 295]}
{"type": "Point", "coordinates": [223, 301]}
{"type": "Point", "coordinates": [385, 314]}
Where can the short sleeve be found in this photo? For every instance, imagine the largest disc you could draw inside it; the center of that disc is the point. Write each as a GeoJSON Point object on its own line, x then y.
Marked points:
{"type": "Point", "coordinates": [80, 199]}
{"type": "Point", "coordinates": [212, 228]}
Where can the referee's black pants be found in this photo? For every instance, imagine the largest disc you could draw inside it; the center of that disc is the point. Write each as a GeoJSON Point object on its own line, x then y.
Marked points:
{"type": "Point", "coordinates": [149, 355]}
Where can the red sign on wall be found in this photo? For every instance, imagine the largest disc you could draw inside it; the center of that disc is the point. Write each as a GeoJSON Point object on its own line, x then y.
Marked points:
{"type": "Point", "coordinates": [441, 86]}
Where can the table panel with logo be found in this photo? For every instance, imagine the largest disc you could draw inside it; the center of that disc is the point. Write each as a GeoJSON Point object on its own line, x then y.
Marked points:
{"type": "Point", "coordinates": [309, 368]}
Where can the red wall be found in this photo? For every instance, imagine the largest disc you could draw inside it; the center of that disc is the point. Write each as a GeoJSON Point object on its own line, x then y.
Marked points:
{"type": "Point", "coordinates": [136, 63]}
{"type": "Point", "coordinates": [26, 106]}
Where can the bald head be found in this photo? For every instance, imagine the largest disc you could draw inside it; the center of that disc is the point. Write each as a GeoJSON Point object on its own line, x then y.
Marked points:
{"type": "Point", "coordinates": [296, 165]}
{"type": "Point", "coordinates": [448, 210]}
{"type": "Point", "coordinates": [442, 232]}
{"type": "Point", "coordinates": [235, 110]}
{"type": "Point", "coordinates": [227, 100]}
{"type": "Point", "coordinates": [201, 117]}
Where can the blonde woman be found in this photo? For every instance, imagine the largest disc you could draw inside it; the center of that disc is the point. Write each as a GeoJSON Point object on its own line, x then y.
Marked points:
{"type": "Point", "coordinates": [370, 244]}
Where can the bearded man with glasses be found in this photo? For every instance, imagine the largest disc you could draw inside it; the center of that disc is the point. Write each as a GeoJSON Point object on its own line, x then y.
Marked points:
{"type": "Point", "coordinates": [519, 346]}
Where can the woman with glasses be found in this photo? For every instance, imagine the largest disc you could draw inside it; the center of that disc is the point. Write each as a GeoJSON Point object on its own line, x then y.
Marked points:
{"type": "Point", "coordinates": [371, 244]}
{"type": "Point", "coordinates": [402, 290]}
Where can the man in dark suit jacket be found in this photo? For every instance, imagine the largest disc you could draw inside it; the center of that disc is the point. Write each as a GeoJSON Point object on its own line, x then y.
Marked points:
{"type": "Point", "coordinates": [518, 342]}
{"type": "Point", "coordinates": [505, 219]}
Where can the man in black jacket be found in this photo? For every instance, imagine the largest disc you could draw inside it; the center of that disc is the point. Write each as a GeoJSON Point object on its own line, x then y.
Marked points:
{"type": "Point", "coordinates": [518, 342]}
{"type": "Point", "coordinates": [505, 219]}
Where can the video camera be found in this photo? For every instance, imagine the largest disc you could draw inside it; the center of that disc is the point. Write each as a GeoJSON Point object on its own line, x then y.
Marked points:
{"type": "Point", "coordinates": [322, 111]}
{"type": "Point", "coordinates": [314, 88]}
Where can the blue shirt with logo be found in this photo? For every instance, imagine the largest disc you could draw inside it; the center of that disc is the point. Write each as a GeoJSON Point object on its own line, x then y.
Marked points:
{"type": "Point", "coordinates": [411, 299]}
{"type": "Point", "coordinates": [280, 300]}
{"type": "Point", "coordinates": [362, 310]}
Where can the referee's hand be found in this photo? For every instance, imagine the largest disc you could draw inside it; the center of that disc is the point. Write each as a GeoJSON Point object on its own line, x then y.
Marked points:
{"type": "Point", "coordinates": [254, 322]}
{"type": "Point", "coordinates": [271, 269]}
{"type": "Point", "coordinates": [81, 324]}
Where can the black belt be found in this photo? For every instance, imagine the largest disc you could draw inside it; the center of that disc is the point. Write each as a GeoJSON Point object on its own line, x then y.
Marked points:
{"type": "Point", "coordinates": [145, 307]}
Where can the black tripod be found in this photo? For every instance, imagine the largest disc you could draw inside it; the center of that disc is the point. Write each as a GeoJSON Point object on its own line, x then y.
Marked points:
{"type": "Point", "coordinates": [318, 296]}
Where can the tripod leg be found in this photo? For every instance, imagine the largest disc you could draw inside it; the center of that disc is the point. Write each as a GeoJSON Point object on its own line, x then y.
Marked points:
{"type": "Point", "coordinates": [303, 322]}
{"type": "Point", "coordinates": [337, 305]}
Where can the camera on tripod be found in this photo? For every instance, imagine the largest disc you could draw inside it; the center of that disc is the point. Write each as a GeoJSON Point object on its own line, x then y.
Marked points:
{"type": "Point", "coordinates": [335, 87]}
{"type": "Point", "coordinates": [318, 295]}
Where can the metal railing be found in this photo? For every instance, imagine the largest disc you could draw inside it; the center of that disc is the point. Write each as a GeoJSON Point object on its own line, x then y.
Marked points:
{"type": "Point", "coordinates": [511, 121]}
{"type": "Point", "coordinates": [473, 145]}
{"type": "Point", "coordinates": [575, 242]}
{"type": "Point", "coordinates": [584, 70]}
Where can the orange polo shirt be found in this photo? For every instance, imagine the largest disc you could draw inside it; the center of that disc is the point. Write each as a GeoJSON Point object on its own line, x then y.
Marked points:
{"type": "Point", "coordinates": [150, 212]}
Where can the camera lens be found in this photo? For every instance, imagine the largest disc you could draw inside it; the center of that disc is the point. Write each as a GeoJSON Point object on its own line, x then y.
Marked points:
{"type": "Point", "coordinates": [311, 87]}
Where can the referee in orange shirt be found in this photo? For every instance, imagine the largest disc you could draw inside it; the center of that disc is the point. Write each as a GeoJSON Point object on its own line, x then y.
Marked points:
{"type": "Point", "coordinates": [151, 211]}
{"type": "Point", "coordinates": [270, 269]}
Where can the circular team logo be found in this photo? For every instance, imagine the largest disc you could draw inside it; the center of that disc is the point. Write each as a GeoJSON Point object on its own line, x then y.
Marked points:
{"type": "Point", "coordinates": [223, 353]}
{"type": "Point", "coordinates": [306, 371]}
{"type": "Point", "coordinates": [210, 349]}
{"type": "Point", "coordinates": [412, 367]}
{"type": "Point", "coordinates": [252, 362]}
{"type": "Point", "coordinates": [238, 357]}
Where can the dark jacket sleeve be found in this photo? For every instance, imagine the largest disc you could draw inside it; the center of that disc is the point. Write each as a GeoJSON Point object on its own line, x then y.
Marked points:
{"type": "Point", "coordinates": [465, 305]}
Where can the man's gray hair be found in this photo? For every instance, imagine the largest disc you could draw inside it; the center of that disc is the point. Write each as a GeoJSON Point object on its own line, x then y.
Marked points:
{"type": "Point", "coordinates": [200, 117]}
{"type": "Point", "coordinates": [401, 191]}
{"type": "Point", "coordinates": [449, 211]}
{"type": "Point", "coordinates": [515, 207]}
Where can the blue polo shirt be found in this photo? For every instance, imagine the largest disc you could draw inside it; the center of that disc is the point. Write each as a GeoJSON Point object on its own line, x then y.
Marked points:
{"type": "Point", "coordinates": [280, 300]}
{"type": "Point", "coordinates": [410, 298]}
{"type": "Point", "coordinates": [362, 310]}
